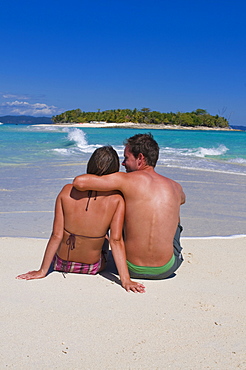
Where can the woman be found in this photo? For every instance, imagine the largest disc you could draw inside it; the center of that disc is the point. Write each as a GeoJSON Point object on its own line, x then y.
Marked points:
{"type": "Point", "coordinates": [78, 242]}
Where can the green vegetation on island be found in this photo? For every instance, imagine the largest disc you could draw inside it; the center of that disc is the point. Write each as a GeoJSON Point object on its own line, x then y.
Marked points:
{"type": "Point", "coordinates": [199, 117]}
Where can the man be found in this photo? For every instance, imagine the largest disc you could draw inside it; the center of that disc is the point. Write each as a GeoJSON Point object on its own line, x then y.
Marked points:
{"type": "Point", "coordinates": [152, 229]}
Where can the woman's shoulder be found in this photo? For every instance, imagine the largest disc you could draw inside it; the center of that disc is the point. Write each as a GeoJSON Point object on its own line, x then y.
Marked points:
{"type": "Point", "coordinates": [117, 199]}
{"type": "Point", "coordinates": [114, 194]}
{"type": "Point", "coordinates": [66, 188]}
{"type": "Point", "coordinates": [112, 198]}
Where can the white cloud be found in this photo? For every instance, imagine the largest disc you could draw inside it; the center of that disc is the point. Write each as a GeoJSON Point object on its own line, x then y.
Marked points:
{"type": "Point", "coordinates": [15, 103]}
{"type": "Point", "coordinates": [14, 96]}
{"type": "Point", "coordinates": [25, 108]}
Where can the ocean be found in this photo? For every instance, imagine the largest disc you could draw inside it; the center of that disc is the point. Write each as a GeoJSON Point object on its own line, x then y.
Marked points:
{"type": "Point", "coordinates": [221, 151]}
{"type": "Point", "coordinates": [37, 161]}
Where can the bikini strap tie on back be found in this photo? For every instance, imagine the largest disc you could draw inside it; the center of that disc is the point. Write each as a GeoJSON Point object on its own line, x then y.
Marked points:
{"type": "Point", "coordinates": [71, 241]}
{"type": "Point", "coordinates": [89, 197]}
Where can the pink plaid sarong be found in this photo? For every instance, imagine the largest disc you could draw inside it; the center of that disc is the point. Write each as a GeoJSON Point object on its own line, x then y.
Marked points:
{"type": "Point", "coordinates": [76, 267]}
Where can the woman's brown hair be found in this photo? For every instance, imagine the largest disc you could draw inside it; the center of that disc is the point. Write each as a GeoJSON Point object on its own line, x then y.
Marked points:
{"type": "Point", "coordinates": [103, 161]}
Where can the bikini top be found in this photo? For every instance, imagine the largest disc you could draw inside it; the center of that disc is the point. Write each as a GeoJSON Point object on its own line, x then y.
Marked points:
{"type": "Point", "coordinates": [72, 237]}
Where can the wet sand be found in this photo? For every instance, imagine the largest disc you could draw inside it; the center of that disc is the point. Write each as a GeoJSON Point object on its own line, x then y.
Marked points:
{"type": "Point", "coordinates": [215, 205]}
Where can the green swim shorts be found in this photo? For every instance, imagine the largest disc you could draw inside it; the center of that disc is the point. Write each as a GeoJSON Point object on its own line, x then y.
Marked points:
{"type": "Point", "coordinates": [160, 272]}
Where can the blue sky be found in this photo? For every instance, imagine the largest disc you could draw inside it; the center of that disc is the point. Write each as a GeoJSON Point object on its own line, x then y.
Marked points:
{"type": "Point", "coordinates": [168, 56]}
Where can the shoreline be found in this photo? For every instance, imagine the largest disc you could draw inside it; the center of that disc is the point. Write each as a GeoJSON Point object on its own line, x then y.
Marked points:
{"type": "Point", "coordinates": [183, 238]}
{"type": "Point", "coordinates": [219, 212]}
{"type": "Point", "coordinates": [134, 125]}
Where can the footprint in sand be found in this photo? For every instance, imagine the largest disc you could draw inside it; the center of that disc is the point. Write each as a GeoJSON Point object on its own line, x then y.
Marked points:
{"type": "Point", "coordinates": [188, 257]}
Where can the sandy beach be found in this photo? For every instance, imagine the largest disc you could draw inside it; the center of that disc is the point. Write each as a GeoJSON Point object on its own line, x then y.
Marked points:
{"type": "Point", "coordinates": [195, 320]}
{"type": "Point", "coordinates": [134, 125]}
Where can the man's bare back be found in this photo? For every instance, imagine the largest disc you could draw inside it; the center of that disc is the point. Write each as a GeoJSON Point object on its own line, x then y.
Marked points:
{"type": "Point", "coordinates": [152, 216]}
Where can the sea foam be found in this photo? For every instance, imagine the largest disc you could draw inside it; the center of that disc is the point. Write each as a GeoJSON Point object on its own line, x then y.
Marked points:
{"type": "Point", "coordinates": [75, 142]}
{"type": "Point", "coordinates": [77, 136]}
{"type": "Point", "coordinates": [203, 152]}
{"type": "Point", "coordinates": [237, 160]}
{"type": "Point", "coordinates": [195, 152]}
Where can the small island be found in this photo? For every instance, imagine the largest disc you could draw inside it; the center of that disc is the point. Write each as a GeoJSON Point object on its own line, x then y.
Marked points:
{"type": "Point", "coordinates": [199, 118]}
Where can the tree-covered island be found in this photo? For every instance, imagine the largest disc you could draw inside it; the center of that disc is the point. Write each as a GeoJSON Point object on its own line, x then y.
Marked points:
{"type": "Point", "coordinates": [199, 117]}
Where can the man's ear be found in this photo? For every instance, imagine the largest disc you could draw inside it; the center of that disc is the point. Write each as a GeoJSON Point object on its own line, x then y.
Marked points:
{"type": "Point", "coordinates": [140, 160]}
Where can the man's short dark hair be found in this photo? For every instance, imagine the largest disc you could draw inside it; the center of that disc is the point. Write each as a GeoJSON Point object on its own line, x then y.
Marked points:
{"type": "Point", "coordinates": [145, 144]}
{"type": "Point", "coordinates": [103, 161]}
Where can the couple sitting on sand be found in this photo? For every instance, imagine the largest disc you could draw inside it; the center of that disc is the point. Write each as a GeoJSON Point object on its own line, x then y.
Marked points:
{"type": "Point", "coordinates": [147, 203]}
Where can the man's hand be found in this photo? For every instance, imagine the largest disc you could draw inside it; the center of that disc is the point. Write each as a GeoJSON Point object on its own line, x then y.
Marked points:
{"type": "Point", "coordinates": [134, 287]}
{"type": "Point", "coordinates": [31, 275]}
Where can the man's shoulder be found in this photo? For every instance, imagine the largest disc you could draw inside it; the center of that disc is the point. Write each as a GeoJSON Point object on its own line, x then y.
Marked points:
{"type": "Point", "coordinates": [123, 177]}
{"type": "Point", "coordinates": [174, 185]}
{"type": "Point", "coordinates": [133, 177]}
{"type": "Point", "coordinates": [172, 182]}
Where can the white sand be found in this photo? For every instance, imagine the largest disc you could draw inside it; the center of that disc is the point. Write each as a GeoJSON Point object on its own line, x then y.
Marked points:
{"type": "Point", "coordinates": [92, 125]}
{"type": "Point", "coordinates": [195, 320]}
{"type": "Point", "coordinates": [133, 125]}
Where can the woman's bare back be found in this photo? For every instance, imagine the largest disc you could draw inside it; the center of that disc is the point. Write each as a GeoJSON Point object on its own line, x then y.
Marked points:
{"type": "Point", "coordinates": [88, 215]}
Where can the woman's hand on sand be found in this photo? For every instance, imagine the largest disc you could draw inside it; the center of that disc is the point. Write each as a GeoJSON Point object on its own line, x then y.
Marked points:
{"type": "Point", "coordinates": [134, 287]}
{"type": "Point", "coordinates": [31, 275]}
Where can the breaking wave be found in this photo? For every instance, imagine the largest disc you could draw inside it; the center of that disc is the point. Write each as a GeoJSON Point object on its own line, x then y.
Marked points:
{"type": "Point", "coordinates": [195, 152]}
{"type": "Point", "coordinates": [75, 143]}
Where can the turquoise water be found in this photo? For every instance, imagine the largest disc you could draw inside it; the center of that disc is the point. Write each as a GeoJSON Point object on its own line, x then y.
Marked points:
{"type": "Point", "coordinates": [223, 151]}
{"type": "Point", "coordinates": [36, 162]}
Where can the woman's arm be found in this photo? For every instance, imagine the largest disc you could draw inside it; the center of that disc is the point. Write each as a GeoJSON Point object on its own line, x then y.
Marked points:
{"type": "Point", "coordinates": [52, 246]}
{"type": "Point", "coordinates": [118, 249]}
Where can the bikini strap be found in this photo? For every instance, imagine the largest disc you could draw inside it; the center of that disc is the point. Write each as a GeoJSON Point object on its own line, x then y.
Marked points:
{"type": "Point", "coordinates": [89, 197]}
{"type": "Point", "coordinates": [82, 236]}
{"type": "Point", "coordinates": [71, 241]}
{"type": "Point", "coordinates": [71, 245]}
